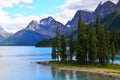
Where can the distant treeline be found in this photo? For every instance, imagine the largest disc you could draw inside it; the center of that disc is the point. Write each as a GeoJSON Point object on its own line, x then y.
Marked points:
{"type": "Point", "coordinates": [94, 44]}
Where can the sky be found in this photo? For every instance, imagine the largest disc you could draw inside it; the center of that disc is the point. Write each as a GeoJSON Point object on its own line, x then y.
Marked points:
{"type": "Point", "coordinates": [17, 14]}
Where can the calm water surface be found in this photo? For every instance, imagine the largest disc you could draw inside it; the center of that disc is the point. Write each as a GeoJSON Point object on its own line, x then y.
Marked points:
{"type": "Point", "coordinates": [19, 63]}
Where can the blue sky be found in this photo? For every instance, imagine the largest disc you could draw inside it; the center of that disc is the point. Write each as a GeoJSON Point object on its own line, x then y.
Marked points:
{"type": "Point", "coordinates": [16, 14]}
{"type": "Point", "coordinates": [36, 8]}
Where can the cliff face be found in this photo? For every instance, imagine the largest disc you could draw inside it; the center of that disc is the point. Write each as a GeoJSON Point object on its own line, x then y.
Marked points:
{"type": "Point", "coordinates": [112, 21]}
{"type": "Point", "coordinates": [117, 7]}
{"type": "Point", "coordinates": [102, 10]}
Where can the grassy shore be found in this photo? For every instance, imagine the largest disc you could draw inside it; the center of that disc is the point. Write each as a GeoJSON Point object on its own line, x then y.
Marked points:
{"type": "Point", "coordinates": [112, 70]}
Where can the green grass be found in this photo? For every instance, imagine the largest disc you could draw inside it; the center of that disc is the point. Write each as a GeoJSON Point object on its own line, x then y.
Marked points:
{"type": "Point", "coordinates": [75, 64]}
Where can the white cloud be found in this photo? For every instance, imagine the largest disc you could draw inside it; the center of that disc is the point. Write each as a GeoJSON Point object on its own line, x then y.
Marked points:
{"type": "Point", "coordinates": [70, 7]}
{"type": "Point", "coordinates": [69, 4]}
{"type": "Point", "coordinates": [63, 16]}
{"type": "Point", "coordinates": [81, 4]}
{"type": "Point", "coordinates": [12, 24]}
{"type": "Point", "coordinates": [30, 7]}
{"type": "Point", "coordinates": [17, 23]}
{"type": "Point", "coordinates": [10, 3]}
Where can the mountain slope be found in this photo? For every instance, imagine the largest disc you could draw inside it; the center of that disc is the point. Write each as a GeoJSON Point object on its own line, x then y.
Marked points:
{"type": "Point", "coordinates": [52, 24]}
{"type": "Point", "coordinates": [35, 32]}
{"type": "Point", "coordinates": [102, 10]}
{"type": "Point", "coordinates": [25, 37]}
{"type": "Point", "coordinates": [3, 34]}
{"type": "Point", "coordinates": [74, 22]}
{"type": "Point", "coordinates": [117, 7]}
{"type": "Point", "coordinates": [112, 21]}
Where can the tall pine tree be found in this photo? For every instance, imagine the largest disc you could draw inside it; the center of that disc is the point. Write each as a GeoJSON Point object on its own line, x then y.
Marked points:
{"type": "Point", "coordinates": [71, 47]}
{"type": "Point", "coordinates": [113, 52]}
{"type": "Point", "coordinates": [57, 43]}
{"type": "Point", "coordinates": [63, 54]}
{"type": "Point", "coordinates": [82, 42]}
{"type": "Point", "coordinates": [92, 46]}
{"type": "Point", "coordinates": [107, 37]}
{"type": "Point", "coordinates": [98, 38]}
{"type": "Point", "coordinates": [101, 43]}
{"type": "Point", "coordinates": [54, 55]}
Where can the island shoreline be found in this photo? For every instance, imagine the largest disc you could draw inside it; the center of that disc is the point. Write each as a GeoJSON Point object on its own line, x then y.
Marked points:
{"type": "Point", "coordinates": [109, 73]}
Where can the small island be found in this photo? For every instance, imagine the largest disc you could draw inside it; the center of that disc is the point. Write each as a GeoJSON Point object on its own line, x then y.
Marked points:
{"type": "Point", "coordinates": [91, 51]}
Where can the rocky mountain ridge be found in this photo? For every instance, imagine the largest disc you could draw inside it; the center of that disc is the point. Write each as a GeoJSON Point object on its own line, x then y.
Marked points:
{"type": "Point", "coordinates": [102, 10]}
{"type": "Point", "coordinates": [46, 28]}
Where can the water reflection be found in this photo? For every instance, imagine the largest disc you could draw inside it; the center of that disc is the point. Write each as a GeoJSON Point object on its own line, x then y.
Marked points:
{"type": "Point", "coordinates": [75, 75]}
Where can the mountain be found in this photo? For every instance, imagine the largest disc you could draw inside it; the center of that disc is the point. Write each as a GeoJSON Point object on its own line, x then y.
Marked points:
{"type": "Point", "coordinates": [52, 24]}
{"type": "Point", "coordinates": [46, 28]}
{"type": "Point", "coordinates": [74, 22]}
{"type": "Point", "coordinates": [24, 37]}
{"type": "Point", "coordinates": [102, 10]}
{"type": "Point", "coordinates": [117, 7]}
{"type": "Point", "coordinates": [112, 21]}
{"type": "Point", "coordinates": [33, 25]}
{"type": "Point", "coordinates": [4, 34]}
{"type": "Point", "coordinates": [35, 31]}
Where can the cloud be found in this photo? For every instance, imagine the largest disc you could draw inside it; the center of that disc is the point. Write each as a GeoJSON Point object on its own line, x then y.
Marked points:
{"type": "Point", "coordinates": [12, 24]}
{"type": "Point", "coordinates": [10, 3]}
{"type": "Point", "coordinates": [69, 4]}
{"type": "Point", "coordinates": [17, 23]}
{"type": "Point", "coordinates": [81, 4]}
{"type": "Point", "coordinates": [63, 16]}
{"type": "Point", "coordinates": [30, 7]}
{"type": "Point", "coordinates": [70, 7]}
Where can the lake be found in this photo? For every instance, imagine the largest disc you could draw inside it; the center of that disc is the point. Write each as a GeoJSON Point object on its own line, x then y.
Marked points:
{"type": "Point", "coordinates": [19, 63]}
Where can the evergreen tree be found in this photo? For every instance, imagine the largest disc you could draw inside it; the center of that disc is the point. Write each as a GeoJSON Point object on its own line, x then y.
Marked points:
{"type": "Point", "coordinates": [113, 52]}
{"type": "Point", "coordinates": [63, 48]}
{"type": "Point", "coordinates": [98, 37]}
{"type": "Point", "coordinates": [115, 38]}
{"type": "Point", "coordinates": [92, 46]}
{"type": "Point", "coordinates": [54, 57]}
{"type": "Point", "coordinates": [71, 46]}
{"type": "Point", "coordinates": [103, 51]}
{"type": "Point", "coordinates": [57, 43]}
{"type": "Point", "coordinates": [107, 36]}
{"type": "Point", "coordinates": [82, 41]}
{"type": "Point", "coordinates": [101, 43]}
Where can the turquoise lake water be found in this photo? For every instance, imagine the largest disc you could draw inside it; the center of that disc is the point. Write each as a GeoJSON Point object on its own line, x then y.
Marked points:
{"type": "Point", "coordinates": [19, 63]}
